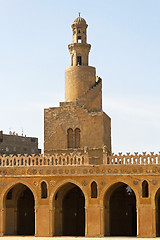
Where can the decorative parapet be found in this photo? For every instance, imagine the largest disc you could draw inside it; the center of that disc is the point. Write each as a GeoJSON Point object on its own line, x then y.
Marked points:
{"type": "Point", "coordinates": [133, 159]}
{"type": "Point", "coordinates": [47, 160]}
{"type": "Point", "coordinates": [78, 159]}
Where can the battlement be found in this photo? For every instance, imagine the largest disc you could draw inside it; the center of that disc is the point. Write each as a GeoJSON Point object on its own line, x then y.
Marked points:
{"type": "Point", "coordinates": [47, 160]}
{"type": "Point", "coordinates": [133, 159]}
{"type": "Point", "coordinates": [77, 159]}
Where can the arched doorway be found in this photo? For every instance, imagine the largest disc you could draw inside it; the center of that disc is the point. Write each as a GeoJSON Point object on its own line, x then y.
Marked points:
{"type": "Point", "coordinates": [120, 211]}
{"type": "Point", "coordinates": [69, 204]}
{"type": "Point", "coordinates": [157, 205]}
{"type": "Point", "coordinates": [20, 216]}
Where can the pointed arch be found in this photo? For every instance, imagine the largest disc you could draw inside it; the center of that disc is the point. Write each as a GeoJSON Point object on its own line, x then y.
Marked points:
{"type": "Point", "coordinates": [61, 184]}
{"type": "Point", "coordinates": [14, 183]}
{"type": "Point", "coordinates": [69, 202]}
{"type": "Point", "coordinates": [19, 204]}
{"type": "Point", "coordinates": [120, 217]}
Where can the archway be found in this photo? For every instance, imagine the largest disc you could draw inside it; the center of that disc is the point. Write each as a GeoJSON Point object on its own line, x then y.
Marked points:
{"type": "Point", "coordinates": [69, 204]}
{"type": "Point", "coordinates": [157, 205]}
{"type": "Point", "coordinates": [120, 211]}
{"type": "Point", "coordinates": [20, 216]}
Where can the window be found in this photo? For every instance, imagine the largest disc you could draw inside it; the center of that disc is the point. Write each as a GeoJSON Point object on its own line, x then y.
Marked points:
{"type": "Point", "coordinates": [145, 192]}
{"type": "Point", "coordinates": [94, 190]}
{"type": "Point", "coordinates": [43, 190]}
{"type": "Point", "coordinates": [33, 140]}
{"type": "Point", "coordinates": [14, 149]}
{"type": "Point", "coordinates": [79, 60]}
{"type": "Point", "coordinates": [79, 39]}
{"type": "Point", "coordinates": [73, 138]}
{"type": "Point", "coordinates": [70, 138]}
{"type": "Point", "coordinates": [77, 138]}
{"type": "Point", "coordinates": [7, 149]}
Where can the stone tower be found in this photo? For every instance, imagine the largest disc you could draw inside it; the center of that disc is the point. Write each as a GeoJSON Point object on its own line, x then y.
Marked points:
{"type": "Point", "coordinates": [75, 82]}
{"type": "Point", "coordinates": [79, 124]}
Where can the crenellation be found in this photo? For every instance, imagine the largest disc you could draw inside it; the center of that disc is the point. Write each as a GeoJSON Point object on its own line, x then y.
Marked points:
{"type": "Point", "coordinates": [63, 159]}
{"type": "Point", "coordinates": [133, 159]}
{"type": "Point", "coordinates": [78, 158]}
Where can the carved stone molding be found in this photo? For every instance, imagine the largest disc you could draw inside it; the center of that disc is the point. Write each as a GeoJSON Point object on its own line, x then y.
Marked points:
{"type": "Point", "coordinates": [103, 183]}
{"type": "Point", "coordinates": [2, 184]}
{"type": "Point", "coordinates": [52, 183]}
{"type": "Point", "coordinates": [35, 183]}
{"type": "Point", "coordinates": [135, 182]}
{"type": "Point", "coordinates": [84, 183]}
{"type": "Point", "coordinates": [154, 182]}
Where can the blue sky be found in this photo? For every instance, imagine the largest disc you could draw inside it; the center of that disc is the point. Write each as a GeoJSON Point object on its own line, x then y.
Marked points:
{"type": "Point", "coordinates": [125, 40]}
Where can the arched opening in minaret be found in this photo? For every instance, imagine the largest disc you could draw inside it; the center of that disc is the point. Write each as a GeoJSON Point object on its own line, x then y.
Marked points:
{"type": "Point", "coordinates": [69, 204]}
{"type": "Point", "coordinates": [79, 39]}
{"type": "Point", "coordinates": [19, 211]}
{"type": "Point", "coordinates": [120, 211]}
{"type": "Point", "coordinates": [79, 60]}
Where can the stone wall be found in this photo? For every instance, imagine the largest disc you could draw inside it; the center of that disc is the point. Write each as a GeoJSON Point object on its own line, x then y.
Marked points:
{"type": "Point", "coordinates": [94, 126]}
{"type": "Point", "coordinates": [132, 171]}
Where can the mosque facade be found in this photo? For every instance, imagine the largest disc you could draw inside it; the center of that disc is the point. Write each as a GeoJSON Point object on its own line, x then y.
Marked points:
{"type": "Point", "coordinates": [79, 187]}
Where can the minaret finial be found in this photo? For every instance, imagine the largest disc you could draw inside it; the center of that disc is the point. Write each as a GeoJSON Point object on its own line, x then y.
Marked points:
{"type": "Point", "coordinates": [79, 14]}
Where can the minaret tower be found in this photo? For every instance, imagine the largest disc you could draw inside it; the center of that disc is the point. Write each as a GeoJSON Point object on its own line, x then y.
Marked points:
{"type": "Point", "coordinates": [79, 123]}
{"type": "Point", "coordinates": [79, 77]}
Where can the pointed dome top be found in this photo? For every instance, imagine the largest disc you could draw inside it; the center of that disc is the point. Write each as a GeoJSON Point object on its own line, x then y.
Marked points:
{"type": "Point", "coordinates": [79, 21]}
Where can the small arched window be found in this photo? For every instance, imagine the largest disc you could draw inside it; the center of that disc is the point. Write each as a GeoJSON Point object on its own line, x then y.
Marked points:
{"type": "Point", "coordinates": [70, 138]}
{"type": "Point", "coordinates": [77, 138]}
{"type": "Point", "coordinates": [44, 190]}
{"type": "Point", "coordinates": [145, 192]}
{"type": "Point", "coordinates": [94, 190]}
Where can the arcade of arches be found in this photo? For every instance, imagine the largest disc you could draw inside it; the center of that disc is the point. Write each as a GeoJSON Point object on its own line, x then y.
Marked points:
{"type": "Point", "coordinates": [71, 208]}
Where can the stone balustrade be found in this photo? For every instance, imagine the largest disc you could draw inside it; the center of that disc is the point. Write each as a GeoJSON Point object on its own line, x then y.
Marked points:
{"type": "Point", "coordinates": [78, 159]}
{"type": "Point", "coordinates": [40, 160]}
{"type": "Point", "coordinates": [132, 159]}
